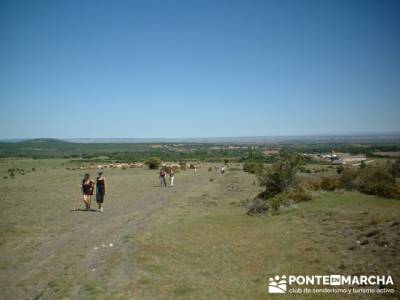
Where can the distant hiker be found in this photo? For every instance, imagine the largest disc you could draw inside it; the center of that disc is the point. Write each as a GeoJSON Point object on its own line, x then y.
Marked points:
{"type": "Point", "coordinates": [222, 170]}
{"type": "Point", "coordinates": [171, 177]}
{"type": "Point", "coordinates": [162, 177]}
{"type": "Point", "coordinates": [100, 189]}
{"type": "Point", "coordinates": [87, 190]}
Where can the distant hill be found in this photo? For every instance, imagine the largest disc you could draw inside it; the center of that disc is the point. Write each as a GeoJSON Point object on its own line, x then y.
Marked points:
{"type": "Point", "coordinates": [195, 148]}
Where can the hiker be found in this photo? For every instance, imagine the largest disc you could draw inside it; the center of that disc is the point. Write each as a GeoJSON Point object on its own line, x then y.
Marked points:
{"type": "Point", "coordinates": [222, 170]}
{"type": "Point", "coordinates": [100, 190]}
{"type": "Point", "coordinates": [87, 190]}
{"type": "Point", "coordinates": [171, 177]}
{"type": "Point", "coordinates": [162, 177]}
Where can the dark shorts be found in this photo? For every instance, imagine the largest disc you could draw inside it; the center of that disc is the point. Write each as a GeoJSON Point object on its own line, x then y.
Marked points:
{"type": "Point", "coordinates": [88, 192]}
{"type": "Point", "coordinates": [100, 195]}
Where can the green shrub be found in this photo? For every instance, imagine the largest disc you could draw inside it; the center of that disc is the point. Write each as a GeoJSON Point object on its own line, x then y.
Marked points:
{"type": "Point", "coordinates": [209, 169]}
{"type": "Point", "coordinates": [153, 163]}
{"type": "Point", "coordinates": [253, 168]}
{"type": "Point", "coordinates": [329, 183]}
{"type": "Point", "coordinates": [258, 206]}
{"type": "Point", "coordinates": [339, 169]}
{"type": "Point", "coordinates": [395, 168]}
{"type": "Point", "coordinates": [276, 202]}
{"type": "Point", "coordinates": [349, 179]}
{"type": "Point", "coordinates": [378, 181]}
{"type": "Point", "coordinates": [281, 176]}
{"type": "Point", "coordinates": [298, 194]}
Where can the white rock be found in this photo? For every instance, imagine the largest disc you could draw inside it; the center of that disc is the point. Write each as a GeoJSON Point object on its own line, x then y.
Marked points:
{"type": "Point", "coordinates": [111, 245]}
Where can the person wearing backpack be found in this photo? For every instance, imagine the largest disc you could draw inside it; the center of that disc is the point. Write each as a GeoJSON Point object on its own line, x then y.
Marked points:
{"type": "Point", "coordinates": [162, 177]}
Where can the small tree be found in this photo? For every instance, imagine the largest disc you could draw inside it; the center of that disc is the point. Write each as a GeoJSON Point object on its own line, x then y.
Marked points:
{"type": "Point", "coordinates": [339, 169]}
{"type": "Point", "coordinates": [153, 163]}
{"type": "Point", "coordinates": [281, 176]}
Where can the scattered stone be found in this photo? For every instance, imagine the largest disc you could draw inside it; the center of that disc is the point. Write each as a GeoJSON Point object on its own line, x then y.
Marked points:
{"type": "Point", "coordinates": [351, 248]}
{"type": "Point", "coordinates": [111, 245]}
{"type": "Point", "coordinates": [95, 248]}
{"type": "Point", "coordinates": [364, 242]}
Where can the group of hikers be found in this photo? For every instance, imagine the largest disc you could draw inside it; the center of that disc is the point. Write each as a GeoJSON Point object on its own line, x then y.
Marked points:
{"type": "Point", "coordinates": [89, 186]}
{"type": "Point", "coordinates": [163, 175]}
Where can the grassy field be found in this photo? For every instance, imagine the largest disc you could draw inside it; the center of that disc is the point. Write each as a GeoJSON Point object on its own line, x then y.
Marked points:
{"type": "Point", "coordinates": [193, 241]}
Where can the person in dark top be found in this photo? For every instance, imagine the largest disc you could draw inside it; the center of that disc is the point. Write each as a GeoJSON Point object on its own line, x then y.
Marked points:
{"type": "Point", "coordinates": [100, 190]}
{"type": "Point", "coordinates": [87, 190]}
{"type": "Point", "coordinates": [162, 177]}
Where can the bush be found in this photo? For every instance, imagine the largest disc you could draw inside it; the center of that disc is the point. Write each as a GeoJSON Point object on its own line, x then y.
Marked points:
{"type": "Point", "coordinates": [299, 195]}
{"type": "Point", "coordinates": [276, 202]}
{"type": "Point", "coordinates": [281, 176]}
{"type": "Point", "coordinates": [253, 168]}
{"type": "Point", "coordinates": [349, 179]}
{"type": "Point", "coordinates": [329, 184]}
{"type": "Point", "coordinates": [378, 181]}
{"type": "Point", "coordinates": [395, 168]}
{"type": "Point", "coordinates": [183, 166]}
{"type": "Point", "coordinates": [258, 206]}
{"type": "Point", "coordinates": [226, 161]}
{"type": "Point", "coordinates": [210, 169]}
{"type": "Point", "coordinates": [339, 169]}
{"type": "Point", "coordinates": [153, 163]}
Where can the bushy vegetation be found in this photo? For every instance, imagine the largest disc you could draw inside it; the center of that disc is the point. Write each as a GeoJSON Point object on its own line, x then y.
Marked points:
{"type": "Point", "coordinates": [298, 194]}
{"type": "Point", "coordinates": [281, 176]}
{"type": "Point", "coordinates": [153, 163]}
{"type": "Point", "coordinates": [373, 180]}
{"type": "Point", "coordinates": [253, 167]}
{"type": "Point", "coordinates": [280, 185]}
{"type": "Point", "coordinates": [328, 184]}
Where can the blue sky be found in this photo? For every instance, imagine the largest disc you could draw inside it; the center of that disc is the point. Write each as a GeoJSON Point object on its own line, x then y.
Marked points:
{"type": "Point", "coordinates": [198, 68]}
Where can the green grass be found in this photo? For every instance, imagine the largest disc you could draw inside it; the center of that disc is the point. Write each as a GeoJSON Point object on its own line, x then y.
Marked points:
{"type": "Point", "coordinates": [193, 241]}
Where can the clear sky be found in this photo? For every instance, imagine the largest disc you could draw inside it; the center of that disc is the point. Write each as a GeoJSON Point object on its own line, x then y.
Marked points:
{"type": "Point", "coordinates": [198, 68]}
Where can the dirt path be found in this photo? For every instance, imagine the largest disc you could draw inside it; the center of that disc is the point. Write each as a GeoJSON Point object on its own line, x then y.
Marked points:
{"type": "Point", "coordinates": [65, 251]}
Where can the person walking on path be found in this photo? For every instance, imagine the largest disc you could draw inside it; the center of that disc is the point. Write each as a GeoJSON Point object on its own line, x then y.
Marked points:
{"type": "Point", "coordinates": [171, 177]}
{"type": "Point", "coordinates": [162, 177]}
{"type": "Point", "coordinates": [100, 190]}
{"type": "Point", "coordinates": [87, 190]}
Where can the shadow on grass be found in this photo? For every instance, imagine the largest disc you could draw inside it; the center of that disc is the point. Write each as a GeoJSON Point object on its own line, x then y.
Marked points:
{"type": "Point", "coordinates": [84, 210]}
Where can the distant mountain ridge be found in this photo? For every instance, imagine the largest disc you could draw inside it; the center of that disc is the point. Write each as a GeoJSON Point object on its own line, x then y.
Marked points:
{"type": "Point", "coordinates": [344, 138]}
